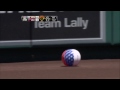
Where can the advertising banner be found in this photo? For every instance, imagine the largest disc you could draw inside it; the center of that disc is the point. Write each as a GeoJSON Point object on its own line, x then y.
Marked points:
{"type": "Point", "coordinates": [71, 27]}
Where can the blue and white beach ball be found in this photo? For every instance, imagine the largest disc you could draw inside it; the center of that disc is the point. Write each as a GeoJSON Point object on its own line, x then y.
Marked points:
{"type": "Point", "coordinates": [71, 57]}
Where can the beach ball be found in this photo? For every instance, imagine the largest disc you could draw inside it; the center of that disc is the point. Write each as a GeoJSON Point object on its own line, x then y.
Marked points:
{"type": "Point", "coordinates": [71, 57]}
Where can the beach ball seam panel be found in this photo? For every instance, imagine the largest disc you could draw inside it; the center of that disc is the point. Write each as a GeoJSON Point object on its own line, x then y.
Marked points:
{"type": "Point", "coordinates": [63, 58]}
{"type": "Point", "coordinates": [69, 57]}
{"type": "Point", "coordinates": [77, 57]}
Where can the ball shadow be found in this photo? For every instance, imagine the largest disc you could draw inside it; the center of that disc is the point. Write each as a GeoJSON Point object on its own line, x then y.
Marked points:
{"type": "Point", "coordinates": [69, 66]}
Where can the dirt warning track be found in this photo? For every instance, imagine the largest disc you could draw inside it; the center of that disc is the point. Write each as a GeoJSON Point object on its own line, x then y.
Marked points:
{"type": "Point", "coordinates": [87, 69]}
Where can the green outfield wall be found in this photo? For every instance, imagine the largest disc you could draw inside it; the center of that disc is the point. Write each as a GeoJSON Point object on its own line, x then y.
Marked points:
{"type": "Point", "coordinates": [113, 27]}
{"type": "Point", "coordinates": [22, 41]}
{"type": "Point", "coordinates": [102, 27]}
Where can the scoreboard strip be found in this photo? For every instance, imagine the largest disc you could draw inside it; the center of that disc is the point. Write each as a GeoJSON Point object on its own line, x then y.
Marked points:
{"type": "Point", "coordinates": [39, 18]}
